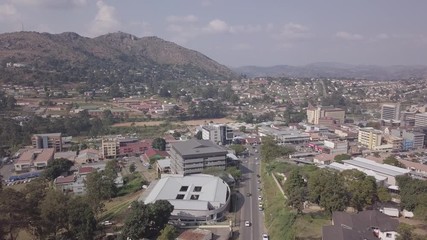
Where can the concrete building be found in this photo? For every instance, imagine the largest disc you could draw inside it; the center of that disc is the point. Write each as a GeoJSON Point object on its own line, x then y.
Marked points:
{"type": "Point", "coordinates": [196, 198]}
{"type": "Point", "coordinates": [336, 146]}
{"type": "Point", "coordinates": [193, 156]}
{"type": "Point", "coordinates": [34, 158]}
{"type": "Point", "coordinates": [110, 148]}
{"type": "Point", "coordinates": [410, 139]}
{"type": "Point", "coordinates": [390, 112]}
{"type": "Point", "coordinates": [421, 120]}
{"type": "Point", "coordinates": [220, 134]}
{"type": "Point", "coordinates": [315, 114]}
{"type": "Point", "coordinates": [369, 137]}
{"type": "Point", "coordinates": [284, 135]}
{"type": "Point", "coordinates": [47, 140]}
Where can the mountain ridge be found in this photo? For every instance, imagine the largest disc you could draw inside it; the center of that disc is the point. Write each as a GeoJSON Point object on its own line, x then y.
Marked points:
{"type": "Point", "coordinates": [336, 70]}
{"type": "Point", "coordinates": [151, 56]}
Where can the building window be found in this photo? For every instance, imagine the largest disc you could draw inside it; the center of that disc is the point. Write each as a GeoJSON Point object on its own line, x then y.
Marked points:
{"type": "Point", "coordinates": [180, 196]}
{"type": "Point", "coordinates": [197, 189]}
{"type": "Point", "coordinates": [194, 197]}
{"type": "Point", "coordinates": [183, 189]}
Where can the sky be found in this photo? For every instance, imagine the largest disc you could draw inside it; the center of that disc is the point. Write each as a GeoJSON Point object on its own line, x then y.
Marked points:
{"type": "Point", "coordinates": [245, 32]}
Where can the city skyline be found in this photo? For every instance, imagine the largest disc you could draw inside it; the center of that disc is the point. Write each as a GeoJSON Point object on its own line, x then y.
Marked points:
{"type": "Point", "coordinates": [237, 33]}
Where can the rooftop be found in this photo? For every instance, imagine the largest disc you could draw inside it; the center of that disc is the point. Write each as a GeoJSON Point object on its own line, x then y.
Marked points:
{"type": "Point", "coordinates": [194, 147]}
{"type": "Point", "coordinates": [195, 192]}
{"type": "Point", "coordinates": [377, 167]}
{"type": "Point", "coordinates": [48, 135]}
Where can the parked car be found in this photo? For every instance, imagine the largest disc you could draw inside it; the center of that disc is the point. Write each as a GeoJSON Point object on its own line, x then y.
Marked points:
{"type": "Point", "coordinates": [264, 236]}
{"type": "Point", "coordinates": [247, 224]}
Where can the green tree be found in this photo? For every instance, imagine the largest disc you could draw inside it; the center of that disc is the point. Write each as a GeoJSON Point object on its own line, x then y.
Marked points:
{"type": "Point", "coordinates": [176, 134]}
{"type": "Point", "coordinates": [147, 220]}
{"type": "Point", "coordinates": [132, 168]}
{"type": "Point", "coordinates": [81, 219]}
{"type": "Point", "coordinates": [327, 189]}
{"type": "Point", "coordinates": [296, 190]}
{"type": "Point", "coordinates": [234, 172]}
{"type": "Point", "coordinates": [56, 167]}
{"type": "Point", "coordinates": [361, 189]}
{"type": "Point", "coordinates": [383, 194]}
{"type": "Point", "coordinates": [13, 209]}
{"type": "Point", "coordinates": [242, 128]}
{"type": "Point", "coordinates": [159, 144]}
{"type": "Point", "coordinates": [340, 157]}
{"type": "Point", "coordinates": [238, 148]}
{"type": "Point", "coordinates": [392, 160]}
{"type": "Point", "coordinates": [35, 192]}
{"type": "Point", "coordinates": [199, 135]}
{"type": "Point", "coordinates": [168, 233]}
{"type": "Point", "coordinates": [53, 213]}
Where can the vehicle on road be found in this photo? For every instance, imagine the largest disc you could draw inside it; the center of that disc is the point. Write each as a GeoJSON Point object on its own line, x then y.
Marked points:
{"type": "Point", "coordinates": [264, 236]}
{"type": "Point", "coordinates": [261, 209]}
{"type": "Point", "coordinates": [247, 224]}
{"type": "Point", "coordinates": [258, 176]}
{"type": "Point", "coordinates": [248, 194]}
{"type": "Point", "coordinates": [259, 198]}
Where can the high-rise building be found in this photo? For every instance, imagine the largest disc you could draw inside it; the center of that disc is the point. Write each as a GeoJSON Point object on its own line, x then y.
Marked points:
{"type": "Point", "coordinates": [390, 111]}
{"type": "Point", "coordinates": [421, 120]}
{"type": "Point", "coordinates": [110, 148]}
{"type": "Point", "coordinates": [47, 140]}
{"type": "Point", "coordinates": [370, 137]}
{"type": "Point", "coordinates": [220, 134]}
{"type": "Point", "coordinates": [316, 114]}
{"type": "Point", "coordinates": [194, 156]}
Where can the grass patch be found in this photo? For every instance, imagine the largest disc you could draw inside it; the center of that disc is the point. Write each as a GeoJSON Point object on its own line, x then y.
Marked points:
{"type": "Point", "coordinates": [309, 225]}
{"type": "Point", "coordinates": [133, 183]}
{"type": "Point", "coordinates": [115, 208]}
{"type": "Point", "coordinates": [279, 219]}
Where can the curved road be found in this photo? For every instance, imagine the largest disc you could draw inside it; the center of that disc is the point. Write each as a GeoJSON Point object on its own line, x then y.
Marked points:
{"type": "Point", "coordinates": [250, 209]}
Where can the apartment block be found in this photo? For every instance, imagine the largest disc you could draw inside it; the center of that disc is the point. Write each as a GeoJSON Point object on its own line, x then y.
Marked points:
{"type": "Point", "coordinates": [194, 156]}
{"type": "Point", "coordinates": [110, 148]}
{"type": "Point", "coordinates": [47, 140]}
{"type": "Point", "coordinates": [369, 137]}
{"type": "Point", "coordinates": [411, 139]}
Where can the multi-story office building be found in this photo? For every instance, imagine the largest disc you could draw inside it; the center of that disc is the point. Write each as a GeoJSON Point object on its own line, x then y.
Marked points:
{"type": "Point", "coordinates": [336, 146]}
{"type": "Point", "coordinates": [369, 137]}
{"type": "Point", "coordinates": [390, 111]}
{"type": "Point", "coordinates": [316, 114]}
{"type": "Point", "coordinates": [47, 140]}
{"type": "Point", "coordinates": [110, 148]}
{"type": "Point", "coordinates": [411, 140]}
{"type": "Point", "coordinates": [194, 156]}
{"type": "Point", "coordinates": [220, 134]}
{"type": "Point", "coordinates": [421, 120]}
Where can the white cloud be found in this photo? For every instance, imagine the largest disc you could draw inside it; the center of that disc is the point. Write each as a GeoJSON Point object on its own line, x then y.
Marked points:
{"type": "Point", "coordinates": [105, 20]}
{"type": "Point", "coordinates": [349, 36]}
{"type": "Point", "coordinates": [64, 4]}
{"type": "Point", "coordinates": [293, 31]}
{"type": "Point", "coordinates": [182, 19]}
{"type": "Point", "coordinates": [7, 11]}
{"type": "Point", "coordinates": [246, 28]}
{"type": "Point", "coordinates": [217, 26]}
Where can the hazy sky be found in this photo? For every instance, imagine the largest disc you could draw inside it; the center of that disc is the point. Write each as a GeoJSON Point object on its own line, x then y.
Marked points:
{"type": "Point", "coordinates": [245, 32]}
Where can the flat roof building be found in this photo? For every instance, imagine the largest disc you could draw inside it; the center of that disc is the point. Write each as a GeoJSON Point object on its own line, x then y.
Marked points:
{"type": "Point", "coordinates": [47, 140]}
{"type": "Point", "coordinates": [198, 197]}
{"type": "Point", "coordinates": [370, 137]}
{"type": "Point", "coordinates": [194, 156]}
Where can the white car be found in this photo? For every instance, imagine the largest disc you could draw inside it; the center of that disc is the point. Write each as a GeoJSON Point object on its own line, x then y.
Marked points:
{"type": "Point", "coordinates": [247, 224]}
{"type": "Point", "coordinates": [259, 198]}
{"type": "Point", "coordinates": [264, 236]}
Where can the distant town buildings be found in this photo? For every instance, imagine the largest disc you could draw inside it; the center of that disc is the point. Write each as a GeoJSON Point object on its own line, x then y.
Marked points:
{"type": "Point", "coordinates": [109, 148]}
{"type": "Point", "coordinates": [421, 119]}
{"type": "Point", "coordinates": [47, 140]}
{"type": "Point", "coordinates": [284, 135]}
{"type": "Point", "coordinates": [324, 114]}
{"type": "Point", "coordinates": [193, 156]}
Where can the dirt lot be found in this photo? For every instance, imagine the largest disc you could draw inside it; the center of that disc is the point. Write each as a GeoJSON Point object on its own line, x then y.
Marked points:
{"type": "Point", "coordinates": [188, 123]}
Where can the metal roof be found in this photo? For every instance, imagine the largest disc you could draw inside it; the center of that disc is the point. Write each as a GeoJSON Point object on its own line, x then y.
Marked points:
{"type": "Point", "coordinates": [377, 167]}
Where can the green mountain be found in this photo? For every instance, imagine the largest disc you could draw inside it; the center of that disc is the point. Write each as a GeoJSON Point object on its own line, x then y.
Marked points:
{"type": "Point", "coordinates": [32, 57]}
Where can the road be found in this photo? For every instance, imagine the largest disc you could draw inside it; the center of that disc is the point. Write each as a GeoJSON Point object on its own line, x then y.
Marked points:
{"type": "Point", "coordinates": [250, 209]}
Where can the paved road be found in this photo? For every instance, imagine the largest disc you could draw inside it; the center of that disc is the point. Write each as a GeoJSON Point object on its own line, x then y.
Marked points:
{"type": "Point", "coordinates": [250, 210]}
